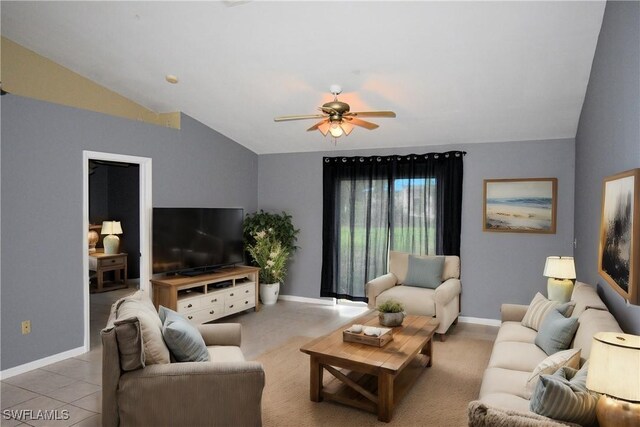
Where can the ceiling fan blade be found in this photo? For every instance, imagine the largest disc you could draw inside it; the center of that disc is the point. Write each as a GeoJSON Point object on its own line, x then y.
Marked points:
{"type": "Point", "coordinates": [361, 123]}
{"type": "Point", "coordinates": [316, 126]}
{"type": "Point", "coordinates": [371, 114]}
{"type": "Point", "coordinates": [286, 118]}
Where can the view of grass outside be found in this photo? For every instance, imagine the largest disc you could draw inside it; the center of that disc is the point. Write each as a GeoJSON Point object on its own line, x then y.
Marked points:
{"type": "Point", "coordinates": [371, 223]}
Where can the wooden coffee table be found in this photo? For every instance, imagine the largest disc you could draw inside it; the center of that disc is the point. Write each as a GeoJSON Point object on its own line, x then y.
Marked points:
{"type": "Point", "coordinates": [367, 377]}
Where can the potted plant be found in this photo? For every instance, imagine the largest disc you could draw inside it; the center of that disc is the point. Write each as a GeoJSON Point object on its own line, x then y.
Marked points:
{"type": "Point", "coordinates": [271, 257]}
{"type": "Point", "coordinates": [281, 226]}
{"type": "Point", "coordinates": [391, 313]}
{"type": "Point", "coordinates": [270, 241]}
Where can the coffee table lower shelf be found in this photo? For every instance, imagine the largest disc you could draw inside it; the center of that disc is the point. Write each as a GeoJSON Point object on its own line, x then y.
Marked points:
{"type": "Point", "coordinates": [339, 391]}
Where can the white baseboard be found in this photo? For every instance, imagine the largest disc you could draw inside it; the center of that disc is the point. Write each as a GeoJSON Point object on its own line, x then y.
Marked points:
{"type": "Point", "coordinates": [479, 321]}
{"type": "Point", "coordinates": [21, 369]}
{"type": "Point", "coordinates": [307, 300]}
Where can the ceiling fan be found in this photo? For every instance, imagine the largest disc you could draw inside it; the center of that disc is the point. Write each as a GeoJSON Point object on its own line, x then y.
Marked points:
{"type": "Point", "coordinates": [337, 117]}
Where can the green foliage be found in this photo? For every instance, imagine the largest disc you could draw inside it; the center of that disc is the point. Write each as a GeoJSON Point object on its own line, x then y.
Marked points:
{"type": "Point", "coordinates": [270, 255]}
{"type": "Point", "coordinates": [391, 306]}
{"type": "Point", "coordinates": [279, 229]}
{"type": "Point", "coordinates": [281, 224]}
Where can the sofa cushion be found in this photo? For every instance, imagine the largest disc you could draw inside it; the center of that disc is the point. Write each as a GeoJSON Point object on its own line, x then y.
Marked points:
{"type": "Point", "coordinates": [500, 380]}
{"type": "Point", "coordinates": [415, 300]}
{"type": "Point", "coordinates": [139, 305]}
{"type": "Point", "coordinates": [424, 272]}
{"type": "Point", "coordinates": [585, 297]}
{"type": "Point", "coordinates": [556, 332]}
{"type": "Point", "coordinates": [590, 323]}
{"type": "Point", "coordinates": [551, 364]}
{"type": "Point", "coordinates": [519, 356]}
{"type": "Point", "coordinates": [224, 353]}
{"type": "Point", "coordinates": [564, 396]}
{"type": "Point", "coordinates": [182, 338]}
{"type": "Point", "coordinates": [514, 331]}
{"type": "Point", "coordinates": [540, 307]}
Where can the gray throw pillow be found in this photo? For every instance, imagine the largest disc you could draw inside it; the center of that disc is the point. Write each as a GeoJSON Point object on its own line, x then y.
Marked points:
{"type": "Point", "coordinates": [424, 272]}
{"type": "Point", "coordinates": [556, 332]}
{"type": "Point", "coordinates": [564, 396]}
{"type": "Point", "coordinates": [182, 338]}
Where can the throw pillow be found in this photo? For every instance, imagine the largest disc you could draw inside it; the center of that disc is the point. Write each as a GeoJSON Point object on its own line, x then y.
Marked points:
{"type": "Point", "coordinates": [424, 272]}
{"type": "Point", "coordinates": [551, 364]}
{"type": "Point", "coordinates": [130, 348]}
{"type": "Point", "coordinates": [564, 396]}
{"type": "Point", "coordinates": [556, 332]}
{"type": "Point", "coordinates": [182, 338]}
{"type": "Point", "coordinates": [540, 307]}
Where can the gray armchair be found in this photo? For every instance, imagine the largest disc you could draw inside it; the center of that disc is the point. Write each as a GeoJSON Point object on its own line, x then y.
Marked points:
{"type": "Point", "coordinates": [226, 391]}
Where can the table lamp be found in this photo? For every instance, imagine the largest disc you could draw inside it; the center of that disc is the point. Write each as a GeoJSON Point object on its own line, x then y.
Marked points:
{"type": "Point", "coordinates": [614, 371]}
{"type": "Point", "coordinates": [111, 241]}
{"type": "Point", "coordinates": [561, 271]}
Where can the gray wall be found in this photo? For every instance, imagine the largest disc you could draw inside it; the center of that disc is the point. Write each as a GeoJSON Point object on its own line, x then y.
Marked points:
{"type": "Point", "coordinates": [608, 140]}
{"type": "Point", "coordinates": [496, 267]}
{"type": "Point", "coordinates": [42, 250]}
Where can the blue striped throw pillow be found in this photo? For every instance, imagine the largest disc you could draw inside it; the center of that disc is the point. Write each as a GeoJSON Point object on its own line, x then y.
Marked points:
{"type": "Point", "coordinates": [564, 396]}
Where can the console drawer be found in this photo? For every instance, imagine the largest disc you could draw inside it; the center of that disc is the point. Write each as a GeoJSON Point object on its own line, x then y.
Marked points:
{"type": "Point", "coordinates": [206, 314]}
{"type": "Point", "coordinates": [239, 304]}
{"type": "Point", "coordinates": [189, 304]}
{"type": "Point", "coordinates": [239, 292]}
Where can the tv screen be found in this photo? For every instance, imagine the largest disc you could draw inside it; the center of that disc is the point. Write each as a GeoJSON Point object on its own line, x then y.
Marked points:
{"type": "Point", "coordinates": [193, 240]}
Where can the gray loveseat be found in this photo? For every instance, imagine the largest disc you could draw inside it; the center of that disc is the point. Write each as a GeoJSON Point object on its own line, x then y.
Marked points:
{"type": "Point", "coordinates": [224, 391]}
{"type": "Point", "coordinates": [502, 399]}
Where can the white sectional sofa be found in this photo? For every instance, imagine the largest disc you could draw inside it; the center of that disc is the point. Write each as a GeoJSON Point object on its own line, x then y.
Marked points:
{"type": "Point", "coordinates": [515, 356]}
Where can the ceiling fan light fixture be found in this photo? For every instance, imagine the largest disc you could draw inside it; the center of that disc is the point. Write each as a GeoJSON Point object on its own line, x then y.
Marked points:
{"type": "Point", "coordinates": [337, 117]}
{"type": "Point", "coordinates": [324, 128]}
{"type": "Point", "coordinates": [346, 127]}
{"type": "Point", "coordinates": [335, 130]}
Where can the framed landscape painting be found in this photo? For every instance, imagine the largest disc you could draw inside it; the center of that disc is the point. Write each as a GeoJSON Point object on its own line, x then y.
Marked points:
{"type": "Point", "coordinates": [526, 205]}
{"type": "Point", "coordinates": [619, 252]}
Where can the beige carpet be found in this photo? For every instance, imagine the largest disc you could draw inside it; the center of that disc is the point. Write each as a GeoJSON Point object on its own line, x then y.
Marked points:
{"type": "Point", "coordinates": [438, 398]}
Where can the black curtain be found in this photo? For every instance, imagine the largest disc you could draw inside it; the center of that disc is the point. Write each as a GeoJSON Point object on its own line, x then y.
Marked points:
{"type": "Point", "coordinates": [409, 203]}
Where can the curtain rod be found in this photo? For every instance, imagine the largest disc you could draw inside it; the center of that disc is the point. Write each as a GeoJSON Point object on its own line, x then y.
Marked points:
{"type": "Point", "coordinates": [463, 153]}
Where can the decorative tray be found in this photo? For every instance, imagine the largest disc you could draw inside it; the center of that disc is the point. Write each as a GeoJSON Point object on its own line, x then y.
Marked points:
{"type": "Point", "coordinates": [380, 341]}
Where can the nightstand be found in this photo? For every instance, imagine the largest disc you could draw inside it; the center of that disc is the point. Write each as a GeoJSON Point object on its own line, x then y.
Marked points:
{"type": "Point", "coordinates": [101, 263]}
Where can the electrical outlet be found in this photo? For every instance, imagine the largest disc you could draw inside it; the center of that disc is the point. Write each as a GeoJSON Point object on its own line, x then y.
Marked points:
{"type": "Point", "coordinates": [26, 327]}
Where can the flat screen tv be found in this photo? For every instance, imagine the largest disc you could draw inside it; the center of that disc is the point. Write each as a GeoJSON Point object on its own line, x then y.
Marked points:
{"type": "Point", "coordinates": [192, 241]}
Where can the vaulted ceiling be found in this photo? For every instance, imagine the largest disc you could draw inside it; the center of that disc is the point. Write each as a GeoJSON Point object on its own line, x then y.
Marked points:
{"type": "Point", "coordinates": [454, 72]}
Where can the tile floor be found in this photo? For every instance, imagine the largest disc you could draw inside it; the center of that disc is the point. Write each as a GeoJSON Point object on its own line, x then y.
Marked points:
{"type": "Point", "coordinates": [74, 385]}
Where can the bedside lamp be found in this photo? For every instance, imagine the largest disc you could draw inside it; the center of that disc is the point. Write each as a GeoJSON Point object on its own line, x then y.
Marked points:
{"type": "Point", "coordinates": [111, 241]}
{"type": "Point", "coordinates": [560, 271]}
{"type": "Point", "coordinates": [614, 371]}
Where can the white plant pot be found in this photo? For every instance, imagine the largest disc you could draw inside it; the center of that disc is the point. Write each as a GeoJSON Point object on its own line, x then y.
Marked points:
{"type": "Point", "coordinates": [269, 293]}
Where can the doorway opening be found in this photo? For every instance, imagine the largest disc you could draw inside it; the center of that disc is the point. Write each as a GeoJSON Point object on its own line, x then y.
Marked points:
{"type": "Point", "coordinates": [117, 243]}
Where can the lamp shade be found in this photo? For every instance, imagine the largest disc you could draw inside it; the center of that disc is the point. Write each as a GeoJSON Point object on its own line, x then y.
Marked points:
{"type": "Point", "coordinates": [560, 267]}
{"type": "Point", "coordinates": [111, 227]}
{"type": "Point", "coordinates": [614, 366]}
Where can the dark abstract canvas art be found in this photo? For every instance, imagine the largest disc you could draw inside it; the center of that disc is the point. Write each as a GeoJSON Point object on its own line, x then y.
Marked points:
{"type": "Point", "coordinates": [619, 229]}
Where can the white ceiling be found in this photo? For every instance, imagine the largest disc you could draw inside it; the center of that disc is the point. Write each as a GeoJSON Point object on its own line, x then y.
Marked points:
{"type": "Point", "coordinates": [454, 72]}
